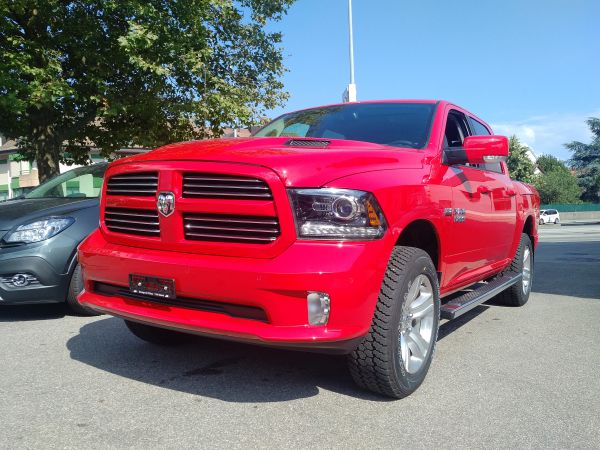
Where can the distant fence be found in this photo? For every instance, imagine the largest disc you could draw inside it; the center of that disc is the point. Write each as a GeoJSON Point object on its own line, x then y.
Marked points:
{"type": "Point", "coordinates": [584, 207]}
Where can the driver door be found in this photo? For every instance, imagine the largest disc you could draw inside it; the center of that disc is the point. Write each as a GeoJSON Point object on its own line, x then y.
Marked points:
{"type": "Point", "coordinates": [469, 247]}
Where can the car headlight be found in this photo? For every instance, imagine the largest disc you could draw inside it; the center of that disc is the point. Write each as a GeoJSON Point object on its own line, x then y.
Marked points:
{"type": "Point", "coordinates": [337, 214]}
{"type": "Point", "coordinates": [40, 230]}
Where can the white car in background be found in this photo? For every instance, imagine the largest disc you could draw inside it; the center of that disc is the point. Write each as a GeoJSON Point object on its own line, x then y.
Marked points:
{"type": "Point", "coordinates": [549, 216]}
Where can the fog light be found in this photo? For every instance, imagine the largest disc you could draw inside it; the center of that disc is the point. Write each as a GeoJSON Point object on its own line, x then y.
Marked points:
{"type": "Point", "coordinates": [318, 308]}
{"type": "Point", "coordinates": [20, 280]}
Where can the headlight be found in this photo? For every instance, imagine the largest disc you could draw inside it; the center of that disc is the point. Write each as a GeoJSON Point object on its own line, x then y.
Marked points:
{"type": "Point", "coordinates": [39, 230]}
{"type": "Point", "coordinates": [337, 214]}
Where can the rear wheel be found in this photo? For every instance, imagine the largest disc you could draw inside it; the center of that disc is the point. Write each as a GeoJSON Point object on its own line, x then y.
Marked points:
{"type": "Point", "coordinates": [541, 221]}
{"type": "Point", "coordinates": [518, 293]}
{"type": "Point", "coordinates": [556, 221]}
{"type": "Point", "coordinates": [75, 288]}
{"type": "Point", "coordinates": [394, 357]}
{"type": "Point", "coordinates": [156, 335]}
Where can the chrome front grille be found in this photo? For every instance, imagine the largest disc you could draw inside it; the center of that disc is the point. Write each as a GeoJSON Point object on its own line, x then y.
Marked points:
{"type": "Point", "coordinates": [136, 184]}
{"type": "Point", "coordinates": [232, 187]}
{"type": "Point", "coordinates": [143, 222]}
{"type": "Point", "coordinates": [231, 228]}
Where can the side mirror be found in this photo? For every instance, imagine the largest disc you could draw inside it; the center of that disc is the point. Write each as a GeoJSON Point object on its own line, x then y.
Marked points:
{"type": "Point", "coordinates": [485, 149]}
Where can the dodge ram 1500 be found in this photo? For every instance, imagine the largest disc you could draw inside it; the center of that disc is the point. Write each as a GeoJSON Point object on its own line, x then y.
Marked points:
{"type": "Point", "coordinates": [349, 228]}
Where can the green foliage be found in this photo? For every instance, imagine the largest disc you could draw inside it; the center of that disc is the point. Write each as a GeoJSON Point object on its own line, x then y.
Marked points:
{"type": "Point", "coordinates": [520, 167]}
{"type": "Point", "coordinates": [121, 73]}
{"type": "Point", "coordinates": [585, 160]}
{"type": "Point", "coordinates": [556, 184]}
{"type": "Point", "coordinates": [549, 163]}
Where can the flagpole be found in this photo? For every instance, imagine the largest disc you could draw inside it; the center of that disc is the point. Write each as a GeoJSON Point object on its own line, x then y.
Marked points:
{"type": "Point", "coordinates": [350, 92]}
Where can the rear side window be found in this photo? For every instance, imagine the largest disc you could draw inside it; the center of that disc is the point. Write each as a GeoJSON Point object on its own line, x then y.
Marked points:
{"type": "Point", "coordinates": [479, 129]}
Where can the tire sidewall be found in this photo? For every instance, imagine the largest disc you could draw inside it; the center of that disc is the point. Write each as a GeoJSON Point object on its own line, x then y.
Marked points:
{"type": "Point", "coordinates": [422, 265]}
{"type": "Point", "coordinates": [74, 289]}
{"type": "Point", "coordinates": [521, 298]}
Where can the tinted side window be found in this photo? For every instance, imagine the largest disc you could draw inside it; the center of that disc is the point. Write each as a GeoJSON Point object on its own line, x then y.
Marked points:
{"type": "Point", "coordinates": [479, 129]}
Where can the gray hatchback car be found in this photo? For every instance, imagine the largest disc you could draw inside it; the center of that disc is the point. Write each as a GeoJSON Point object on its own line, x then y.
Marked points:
{"type": "Point", "coordinates": [39, 235]}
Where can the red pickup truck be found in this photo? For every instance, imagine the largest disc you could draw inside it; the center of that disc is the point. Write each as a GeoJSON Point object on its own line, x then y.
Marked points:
{"type": "Point", "coordinates": [349, 228]}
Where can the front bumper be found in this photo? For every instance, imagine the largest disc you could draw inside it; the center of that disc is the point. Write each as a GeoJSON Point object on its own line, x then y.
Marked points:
{"type": "Point", "coordinates": [50, 288]}
{"type": "Point", "coordinates": [351, 273]}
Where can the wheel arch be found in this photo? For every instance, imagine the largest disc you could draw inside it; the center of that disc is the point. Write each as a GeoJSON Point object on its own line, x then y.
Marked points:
{"type": "Point", "coordinates": [528, 228]}
{"type": "Point", "coordinates": [422, 234]}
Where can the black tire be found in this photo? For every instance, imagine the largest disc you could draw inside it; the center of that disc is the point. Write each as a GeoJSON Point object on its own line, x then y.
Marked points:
{"type": "Point", "coordinates": [541, 221]}
{"type": "Point", "coordinates": [377, 364]}
{"type": "Point", "coordinates": [75, 287]}
{"type": "Point", "coordinates": [556, 221]}
{"type": "Point", "coordinates": [156, 335]}
{"type": "Point", "coordinates": [517, 295]}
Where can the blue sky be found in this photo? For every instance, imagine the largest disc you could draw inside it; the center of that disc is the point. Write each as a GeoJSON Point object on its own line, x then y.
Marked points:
{"type": "Point", "coordinates": [530, 67]}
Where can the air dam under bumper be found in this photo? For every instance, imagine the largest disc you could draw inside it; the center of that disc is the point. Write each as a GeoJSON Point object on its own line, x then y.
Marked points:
{"type": "Point", "coordinates": [350, 272]}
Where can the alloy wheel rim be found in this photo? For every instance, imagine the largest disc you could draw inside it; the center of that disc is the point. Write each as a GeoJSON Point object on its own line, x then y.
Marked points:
{"type": "Point", "coordinates": [416, 324]}
{"type": "Point", "coordinates": [526, 270]}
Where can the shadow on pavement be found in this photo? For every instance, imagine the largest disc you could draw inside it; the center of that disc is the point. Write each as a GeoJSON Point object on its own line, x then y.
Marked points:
{"type": "Point", "coordinates": [23, 313]}
{"type": "Point", "coordinates": [568, 268]}
{"type": "Point", "coordinates": [449, 327]}
{"type": "Point", "coordinates": [235, 372]}
{"type": "Point", "coordinates": [227, 371]}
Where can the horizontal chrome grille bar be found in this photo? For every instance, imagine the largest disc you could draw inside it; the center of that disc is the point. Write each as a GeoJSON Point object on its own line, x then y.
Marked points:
{"type": "Point", "coordinates": [201, 185]}
{"type": "Point", "coordinates": [231, 228]}
{"type": "Point", "coordinates": [219, 194]}
{"type": "Point", "coordinates": [234, 219]}
{"type": "Point", "coordinates": [225, 179]}
{"type": "Point", "coordinates": [212, 186]}
{"type": "Point", "coordinates": [248, 230]}
{"type": "Point", "coordinates": [142, 222]}
{"type": "Point", "coordinates": [223, 237]}
{"type": "Point", "coordinates": [142, 184]}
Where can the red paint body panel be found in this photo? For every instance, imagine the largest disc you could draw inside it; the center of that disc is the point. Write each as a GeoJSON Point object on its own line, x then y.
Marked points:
{"type": "Point", "coordinates": [410, 185]}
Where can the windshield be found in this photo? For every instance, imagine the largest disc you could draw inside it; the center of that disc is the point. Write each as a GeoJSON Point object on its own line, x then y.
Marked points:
{"type": "Point", "coordinates": [395, 124]}
{"type": "Point", "coordinates": [83, 182]}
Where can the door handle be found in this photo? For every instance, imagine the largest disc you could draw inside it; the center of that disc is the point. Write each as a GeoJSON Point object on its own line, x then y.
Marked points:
{"type": "Point", "coordinates": [511, 193]}
{"type": "Point", "coordinates": [483, 190]}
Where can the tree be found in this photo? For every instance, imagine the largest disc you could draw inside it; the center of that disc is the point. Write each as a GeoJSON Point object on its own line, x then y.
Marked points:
{"type": "Point", "coordinates": [114, 73]}
{"type": "Point", "coordinates": [556, 184]}
{"type": "Point", "coordinates": [549, 163]}
{"type": "Point", "coordinates": [585, 160]}
{"type": "Point", "coordinates": [520, 167]}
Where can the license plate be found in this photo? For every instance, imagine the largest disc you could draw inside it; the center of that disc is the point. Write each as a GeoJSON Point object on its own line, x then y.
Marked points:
{"type": "Point", "coordinates": [152, 286]}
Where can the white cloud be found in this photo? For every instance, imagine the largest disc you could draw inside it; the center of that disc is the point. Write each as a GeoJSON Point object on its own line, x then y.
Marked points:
{"type": "Point", "coordinates": [548, 134]}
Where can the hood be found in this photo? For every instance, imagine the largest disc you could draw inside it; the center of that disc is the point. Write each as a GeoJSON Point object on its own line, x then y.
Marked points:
{"type": "Point", "coordinates": [16, 212]}
{"type": "Point", "coordinates": [297, 165]}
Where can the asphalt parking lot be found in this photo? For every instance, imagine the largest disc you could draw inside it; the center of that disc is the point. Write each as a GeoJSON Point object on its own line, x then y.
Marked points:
{"type": "Point", "coordinates": [502, 378]}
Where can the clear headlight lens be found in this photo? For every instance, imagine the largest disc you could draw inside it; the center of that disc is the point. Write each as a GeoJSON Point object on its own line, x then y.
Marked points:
{"type": "Point", "coordinates": [40, 230]}
{"type": "Point", "coordinates": [337, 214]}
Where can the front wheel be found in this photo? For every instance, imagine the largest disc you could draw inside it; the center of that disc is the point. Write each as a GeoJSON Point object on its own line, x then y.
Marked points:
{"type": "Point", "coordinates": [541, 221]}
{"type": "Point", "coordinates": [394, 357]}
{"type": "Point", "coordinates": [556, 221]}
{"type": "Point", "coordinates": [75, 288]}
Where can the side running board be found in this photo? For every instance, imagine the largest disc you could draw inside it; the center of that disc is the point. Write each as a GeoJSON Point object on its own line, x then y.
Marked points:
{"type": "Point", "coordinates": [466, 302]}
